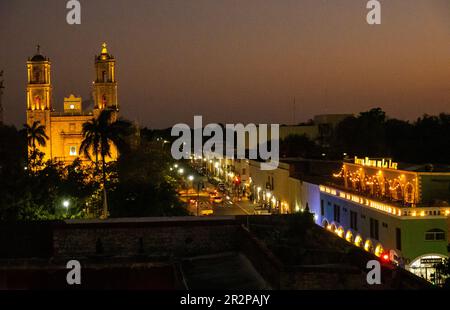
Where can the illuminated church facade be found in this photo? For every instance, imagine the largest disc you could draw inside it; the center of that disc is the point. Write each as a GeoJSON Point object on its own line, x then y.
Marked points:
{"type": "Point", "coordinates": [64, 129]}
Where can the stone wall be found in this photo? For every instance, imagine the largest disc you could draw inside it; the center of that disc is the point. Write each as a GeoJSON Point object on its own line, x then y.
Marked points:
{"type": "Point", "coordinates": [104, 244]}
{"type": "Point", "coordinates": [156, 237]}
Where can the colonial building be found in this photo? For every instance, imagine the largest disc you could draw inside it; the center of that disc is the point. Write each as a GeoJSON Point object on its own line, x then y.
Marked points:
{"type": "Point", "coordinates": [393, 208]}
{"type": "Point", "coordinates": [398, 211]}
{"type": "Point", "coordinates": [64, 129]}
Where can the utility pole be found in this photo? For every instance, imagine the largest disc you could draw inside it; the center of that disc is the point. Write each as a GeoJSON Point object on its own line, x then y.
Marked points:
{"type": "Point", "coordinates": [293, 115]}
{"type": "Point", "coordinates": [1, 94]}
{"type": "Point", "coordinates": [198, 196]}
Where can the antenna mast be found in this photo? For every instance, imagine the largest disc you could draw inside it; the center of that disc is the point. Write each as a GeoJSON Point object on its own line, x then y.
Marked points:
{"type": "Point", "coordinates": [1, 94]}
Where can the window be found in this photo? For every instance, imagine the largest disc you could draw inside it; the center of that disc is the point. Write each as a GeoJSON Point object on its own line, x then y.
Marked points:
{"type": "Point", "coordinates": [398, 239]}
{"type": "Point", "coordinates": [72, 106]}
{"type": "Point", "coordinates": [435, 235]}
{"type": "Point", "coordinates": [337, 213]}
{"type": "Point", "coordinates": [322, 208]}
{"type": "Point", "coordinates": [73, 151]}
{"type": "Point", "coordinates": [243, 171]}
{"type": "Point", "coordinates": [385, 225]}
{"type": "Point", "coordinates": [374, 229]}
{"type": "Point", "coordinates": [353, 220]}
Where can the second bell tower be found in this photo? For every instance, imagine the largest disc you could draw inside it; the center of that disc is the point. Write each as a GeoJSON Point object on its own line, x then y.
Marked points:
{"type": "Point", "coordinates": [105, 84]}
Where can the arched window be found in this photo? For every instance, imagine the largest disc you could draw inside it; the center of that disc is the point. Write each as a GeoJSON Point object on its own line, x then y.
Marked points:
{"type": "Point", "coordinates": [396, 190]}
{"type": "Point", "coordinates": [37, 75]}
{"type": "Point", "coordinates": [409, 193]}
{"type": "Point", "coordinates": [37, 102]}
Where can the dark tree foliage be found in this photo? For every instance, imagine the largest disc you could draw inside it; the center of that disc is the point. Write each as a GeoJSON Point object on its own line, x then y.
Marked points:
{"type": "Point", "coordinates": [145, 186]}
{"type": "Point", "coordinates": [141, 184]}
{"type": "Point", "coordinates": [363, 134]}
{"type": "Point", "coordinates": [299, 146]}
{"type": "Point", "coordinates": [427, 140]}
{"type": "Point", "coordinates": [39, 194]}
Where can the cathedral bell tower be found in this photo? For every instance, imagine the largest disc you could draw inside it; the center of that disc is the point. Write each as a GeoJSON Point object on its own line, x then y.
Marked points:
{"type": "Point", "coordinates": [105, 84]}
{"type": "Point", "coordinates": [39, 93]}
{"type": "Point", "coordinates": [39, 88]}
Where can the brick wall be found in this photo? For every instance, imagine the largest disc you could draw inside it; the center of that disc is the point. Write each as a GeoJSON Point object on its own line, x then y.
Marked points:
{"type": "Point", "coordinates": [151, 237]}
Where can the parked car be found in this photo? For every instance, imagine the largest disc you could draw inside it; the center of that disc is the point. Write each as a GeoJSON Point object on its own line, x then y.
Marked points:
{"type": "Point", "coordinates": [221, 187]}
{"type": "Point", "coordinates": [260, 210]}
{"type": "Point", "coordinates": [212, 194]}
{"type": "Point", "coordinates": [206, 211]}
{"type": "Point", "coordinates": [218, 199]}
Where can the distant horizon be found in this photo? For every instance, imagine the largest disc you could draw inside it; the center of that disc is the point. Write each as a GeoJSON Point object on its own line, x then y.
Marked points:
{"type": "Point", "coordinates": [236, 61]}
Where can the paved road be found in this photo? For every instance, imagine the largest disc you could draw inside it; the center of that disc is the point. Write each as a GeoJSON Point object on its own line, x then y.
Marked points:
{"type": "Point", "coordinates": [226, 207]}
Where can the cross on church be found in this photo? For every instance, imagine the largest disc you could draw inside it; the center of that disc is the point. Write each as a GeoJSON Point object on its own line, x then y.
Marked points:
{"type": "Point", "coordinates": [38, 49]}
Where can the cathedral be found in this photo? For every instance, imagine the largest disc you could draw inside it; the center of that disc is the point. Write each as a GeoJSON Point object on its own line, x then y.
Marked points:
{"type": "Point", "coordinates": [64, 129]}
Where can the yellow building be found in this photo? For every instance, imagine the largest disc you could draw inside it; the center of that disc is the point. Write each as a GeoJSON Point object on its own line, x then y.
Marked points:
{"type": "Point", "coordinates": [64, 129]}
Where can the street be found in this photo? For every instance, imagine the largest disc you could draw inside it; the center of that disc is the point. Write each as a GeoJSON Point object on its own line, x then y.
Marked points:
{"type": "Point", "coordinates": [227, 206]}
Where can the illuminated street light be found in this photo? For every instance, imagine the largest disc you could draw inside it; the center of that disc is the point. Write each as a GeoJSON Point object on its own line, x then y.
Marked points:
{"type": "Point", "coordinates": [176, 165]}
{"type": "Point", "coordinates": [66, 204]}
{"type": "Point", "coordinates": [180, 171]}
{"type": "Point", "coordinates": [191, 178]}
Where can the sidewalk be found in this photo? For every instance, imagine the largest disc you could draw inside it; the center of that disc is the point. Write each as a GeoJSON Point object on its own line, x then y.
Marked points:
{"type": "Point", "coordinates": [246, 205]}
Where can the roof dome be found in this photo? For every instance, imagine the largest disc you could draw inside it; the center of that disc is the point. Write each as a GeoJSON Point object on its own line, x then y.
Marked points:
{"type": "Point", "coordinates": [38, 56]}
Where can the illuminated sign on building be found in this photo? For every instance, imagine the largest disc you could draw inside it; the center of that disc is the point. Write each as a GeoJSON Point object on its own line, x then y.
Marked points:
{"type": "Point", "coordinates": [378, 163]}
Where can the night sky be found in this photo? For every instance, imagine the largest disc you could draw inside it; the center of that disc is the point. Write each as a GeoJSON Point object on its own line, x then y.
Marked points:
{"type": "Point", "coordinates": [236, 60]}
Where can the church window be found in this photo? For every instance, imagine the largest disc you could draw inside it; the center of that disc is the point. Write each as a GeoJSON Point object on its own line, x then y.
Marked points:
{"type": "Point", "coordinates": [73, 151]}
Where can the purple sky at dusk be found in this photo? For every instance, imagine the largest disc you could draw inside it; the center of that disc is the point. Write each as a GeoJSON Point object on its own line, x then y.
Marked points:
{"type": "Point", "coordinates": [236, 60]}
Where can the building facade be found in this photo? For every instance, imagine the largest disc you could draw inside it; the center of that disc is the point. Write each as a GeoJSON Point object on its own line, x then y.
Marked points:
{"type": "Point", "coordinates": [64, 129]}
{"type": "Point", "coordinates": [386, 209]}
{"type": "Point", "coordinates": [381, 206]}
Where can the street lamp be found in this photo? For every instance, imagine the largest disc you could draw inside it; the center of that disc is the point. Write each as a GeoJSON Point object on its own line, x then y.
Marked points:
{"type": "Point", "coordinates": [66, 204]}
{"type": "Point", "coordinates": [180, 171]}
{"type": "Point", "coordinates": [191, 178]}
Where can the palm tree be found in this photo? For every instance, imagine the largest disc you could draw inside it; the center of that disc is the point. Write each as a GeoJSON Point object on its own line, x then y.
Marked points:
{"type": "Point", "coordinates": [35, 136]}
{"type": "Point", "coordinates": [98, 136]}
{"type": "Point", "coordinates": [91, 140]}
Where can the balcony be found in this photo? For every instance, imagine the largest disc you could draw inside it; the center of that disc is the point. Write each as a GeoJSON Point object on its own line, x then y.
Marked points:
{"type": "Point", "coordinates": [392, 209]}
